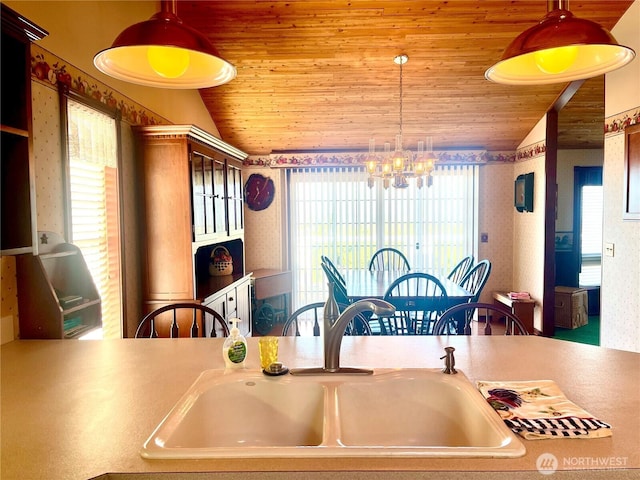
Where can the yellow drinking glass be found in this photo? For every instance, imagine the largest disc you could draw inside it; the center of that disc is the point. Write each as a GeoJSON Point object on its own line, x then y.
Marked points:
{"type": "Point", "coordinates": [268, 347]}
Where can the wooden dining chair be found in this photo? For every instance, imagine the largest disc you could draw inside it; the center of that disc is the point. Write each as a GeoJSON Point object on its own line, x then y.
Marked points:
{"type": "Point", "coordinates": [419, 299]}
{"type": "Point", "coordinates": [168, 319]}
{"type": "Point", "coordinates": [491, 313]}
{"type": "Point", "coordinates": [307, 320]}
{"type": "Point", "coordinates": [460, 270]}
{"type": "Point", "coordinates": [476, 278]}
{"type": "Point", "coordinates": [389, 259]}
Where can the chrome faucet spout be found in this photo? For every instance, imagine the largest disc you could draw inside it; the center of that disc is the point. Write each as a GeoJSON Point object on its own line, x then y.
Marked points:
{"type": "Point", "coordinates": [334, 329]}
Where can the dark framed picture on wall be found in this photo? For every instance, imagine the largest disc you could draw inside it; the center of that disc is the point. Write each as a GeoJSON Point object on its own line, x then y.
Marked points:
{"type": "Point", "coordinates": [632, 173]}
{"type": "Point", "coordinates": [564, 241]}
{"type": "Point", "coordinates": [523, 193]}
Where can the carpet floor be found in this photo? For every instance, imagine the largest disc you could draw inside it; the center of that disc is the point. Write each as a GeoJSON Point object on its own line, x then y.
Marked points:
{"type": "Point", "coordinates": [589, 333]}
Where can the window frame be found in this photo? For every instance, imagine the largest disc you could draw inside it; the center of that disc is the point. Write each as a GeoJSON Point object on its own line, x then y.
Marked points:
{"type": "Point", "coordinates": [64, 95]}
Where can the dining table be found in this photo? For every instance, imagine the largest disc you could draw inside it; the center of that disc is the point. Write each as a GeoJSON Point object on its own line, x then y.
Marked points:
{"type": "Point", "coordinates": [363, 283]}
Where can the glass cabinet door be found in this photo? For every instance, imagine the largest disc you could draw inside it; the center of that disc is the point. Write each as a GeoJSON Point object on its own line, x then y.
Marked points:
{"type": "Point", "coordinates": [217, 195]}
{"type": "Point", "coordinates": [197, 190]}
{"type": "Point", "coordinates": [220, 224]}
{"type": "Point", "coordinates": [207, 183]}
{"type": "Point", "coordinates": [235, 198]}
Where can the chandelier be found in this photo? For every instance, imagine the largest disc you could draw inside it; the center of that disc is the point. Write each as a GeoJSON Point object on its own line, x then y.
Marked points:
{"type": "Point", "coordinates": [395, 168]}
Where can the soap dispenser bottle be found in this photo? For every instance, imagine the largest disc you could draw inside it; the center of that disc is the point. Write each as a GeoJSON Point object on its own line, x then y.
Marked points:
{"type": "Point", "coordinates": [234, 349]}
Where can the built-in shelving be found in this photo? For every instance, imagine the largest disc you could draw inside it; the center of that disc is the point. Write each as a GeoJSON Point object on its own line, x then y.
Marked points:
{"type": "Point", "coordinates": [17, 185]}
{"type": "Point", "coordinates": [58, 298]}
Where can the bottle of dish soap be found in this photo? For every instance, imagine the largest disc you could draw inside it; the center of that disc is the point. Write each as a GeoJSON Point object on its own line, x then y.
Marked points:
{"type": "Point", "coordinates": [234, 350]}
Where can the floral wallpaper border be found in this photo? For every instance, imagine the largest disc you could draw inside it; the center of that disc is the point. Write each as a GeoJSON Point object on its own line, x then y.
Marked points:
{"type": "Point", "coordinates": [311, 159]}
{"type": "Point", "coordinates": [48, 69]}
{"type": "Point", "coordinates": [531, 151]}
{"type": "Point", "coordinates": [616, 124]}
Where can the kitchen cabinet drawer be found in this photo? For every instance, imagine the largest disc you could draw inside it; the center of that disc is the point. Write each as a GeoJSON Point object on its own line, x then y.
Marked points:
{"type": "Point", "coordinates": [234, 301]}
{"type": "Point", "coordinates": [231, 302]}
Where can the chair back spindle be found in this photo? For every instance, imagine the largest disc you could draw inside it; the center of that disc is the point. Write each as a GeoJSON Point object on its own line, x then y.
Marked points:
{"type": "Point", "coordinates": [458, 319]}
{"type": "Point", "coordinates": [389, 259]}
{"type": "Point", "coordinates": [147, 327]}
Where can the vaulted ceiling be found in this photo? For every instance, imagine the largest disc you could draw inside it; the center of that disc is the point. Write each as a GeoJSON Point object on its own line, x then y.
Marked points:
{"type": "Point", "coordinates": [319, 75]}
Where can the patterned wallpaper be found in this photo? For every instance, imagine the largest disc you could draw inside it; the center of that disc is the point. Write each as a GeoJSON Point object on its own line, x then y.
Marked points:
{"type": "Point", "coordinates": [528, 238]}
{"type": "Point", "coordinates": [9, 300]}
{"type": "Point", "coordinates": [47, 159]}
{"type": "Point", "coordinates": [496, 214]}
{"type": "Point", "coordinates": [620, 304]}
{"type": "Point", "coordinates": [264, 245]}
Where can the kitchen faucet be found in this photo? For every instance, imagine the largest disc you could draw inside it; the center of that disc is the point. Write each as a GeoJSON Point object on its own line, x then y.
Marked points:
{"type": "Point", "coordinates": [335, 325]}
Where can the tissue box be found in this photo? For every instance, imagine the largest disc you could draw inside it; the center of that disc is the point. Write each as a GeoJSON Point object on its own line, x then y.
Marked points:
{"type": "Point", "coordinates": [571, 307]}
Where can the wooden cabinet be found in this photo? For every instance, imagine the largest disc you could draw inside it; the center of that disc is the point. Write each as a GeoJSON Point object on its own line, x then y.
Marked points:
{"type": "Point", "coordinates": [521, 308]}
{"type": "Point", "coordinates": [185, 200]}
{"type": "Point", "coordinates": [58, 298]}
{"type": "Point", "coordinates": [234, 301]}
{"type": "Point", "coordinates": [17, 189]}
{"type": "Point", "coordinates": [192, 201]}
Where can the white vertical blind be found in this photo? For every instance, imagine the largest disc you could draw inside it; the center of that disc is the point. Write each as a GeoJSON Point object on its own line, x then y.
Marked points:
{"type": "Point", "coordinates": [92, 146]}
{"type": "Point", "coordinates": [335, 213]}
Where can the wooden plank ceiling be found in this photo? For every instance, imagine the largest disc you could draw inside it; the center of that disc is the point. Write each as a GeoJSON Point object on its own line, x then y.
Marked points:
{"type": "Point", "coordinates": [320, 76]}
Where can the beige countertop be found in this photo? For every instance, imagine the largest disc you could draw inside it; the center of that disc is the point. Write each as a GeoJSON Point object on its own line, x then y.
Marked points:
{"type": "Point", "coordinates": [82, 409]}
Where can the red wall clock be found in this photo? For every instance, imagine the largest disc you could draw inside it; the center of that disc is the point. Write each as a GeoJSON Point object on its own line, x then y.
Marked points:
{"type": "Point", "coordinates": [258, 192]}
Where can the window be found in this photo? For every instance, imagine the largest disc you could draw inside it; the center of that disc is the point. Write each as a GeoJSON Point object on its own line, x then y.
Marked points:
{"type": "Point", "coordinates": [587, 221]}
{"type": "Point", "coordinates": [591, 236]}
{"type": "Point", "coordinates": [334, 213]}
{"type": "Point", "coordinates": [93, 222]}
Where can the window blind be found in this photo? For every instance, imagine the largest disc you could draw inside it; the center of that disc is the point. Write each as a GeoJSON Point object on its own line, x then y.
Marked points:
{"type": "Point", "coordinates": [334, 213]}
{"type": "Point", "coordinates": [93, 183]}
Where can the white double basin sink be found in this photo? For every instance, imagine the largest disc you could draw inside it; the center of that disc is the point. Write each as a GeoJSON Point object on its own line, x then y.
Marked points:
{"type": "Point", "coordinates": [392, 413]}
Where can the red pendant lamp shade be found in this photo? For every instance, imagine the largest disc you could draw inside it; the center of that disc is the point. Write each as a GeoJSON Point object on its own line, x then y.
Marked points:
{"type": "Point", "coordinates": [561, 48]}
{"type": "Point", "coordinates": [164, 52]}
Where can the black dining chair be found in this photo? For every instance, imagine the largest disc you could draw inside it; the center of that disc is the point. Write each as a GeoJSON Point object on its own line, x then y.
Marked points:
{"type": "Point", "coordinates": [476, 278]}
{"type": "Point", "coordinates": [334, 270]}
{"type": "Point", "coordinates": [389, 259]}
{"type": "Point", "coordinates": [490, 313]}
{"type": "Point", "coordinates": [419, 298]}
{"type": "Point", "coordinates": [307, 320]}
{"type": "Point", "coordinates": [460, 270]}
{"type": "Point", "coordinates": [339, 290]}
{"type": "Point", "coordinates": [168, 319]}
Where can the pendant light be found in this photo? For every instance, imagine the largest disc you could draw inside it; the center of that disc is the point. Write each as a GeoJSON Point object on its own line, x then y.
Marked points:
{"type": "Point", "coordinates": [561, 48]}
{"type": "Point", "coordinates": [164, 52]}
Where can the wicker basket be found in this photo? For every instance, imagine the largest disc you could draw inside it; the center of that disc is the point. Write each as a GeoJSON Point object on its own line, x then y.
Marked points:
{"type": "Point", "coordinates": [220, 263]}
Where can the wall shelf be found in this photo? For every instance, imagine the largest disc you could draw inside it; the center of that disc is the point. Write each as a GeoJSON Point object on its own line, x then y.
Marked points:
{"type": "Point", "coordinates": [59, 273]}
{"type": "Point", "coordinates": [17, 188]}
